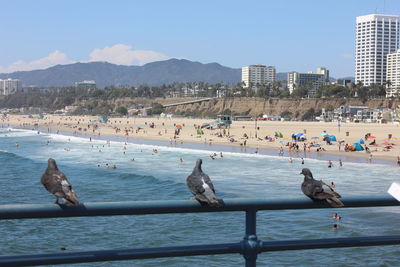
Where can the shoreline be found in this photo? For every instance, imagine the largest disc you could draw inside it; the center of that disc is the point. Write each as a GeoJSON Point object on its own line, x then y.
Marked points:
{"type": "Point", "coordinates": [215, 147]}
{"type": "Point", "coordinates": [163, 135]}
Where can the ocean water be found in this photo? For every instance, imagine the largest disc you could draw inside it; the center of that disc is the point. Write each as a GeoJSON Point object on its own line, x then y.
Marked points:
{"type": "Point", "coordinates": [162, 176]}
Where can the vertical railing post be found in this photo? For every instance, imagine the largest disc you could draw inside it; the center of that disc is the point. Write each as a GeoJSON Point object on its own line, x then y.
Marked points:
{"type": "Point", "coordinates": [250, 243]}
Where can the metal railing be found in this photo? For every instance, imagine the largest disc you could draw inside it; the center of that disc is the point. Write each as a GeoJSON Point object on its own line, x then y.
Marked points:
{"type": "Point", "coordinates": [249, 247]}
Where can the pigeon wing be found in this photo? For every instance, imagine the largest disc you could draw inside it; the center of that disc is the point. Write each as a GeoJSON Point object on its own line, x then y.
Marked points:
{"type": "Point", "coordinates": [207, 180]}
{"type": "Point", "coordinates": [195, 184]}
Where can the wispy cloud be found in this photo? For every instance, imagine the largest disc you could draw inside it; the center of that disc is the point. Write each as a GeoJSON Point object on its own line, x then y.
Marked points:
{"type": "Point", "coordinates": [118, 54]}
{"type": "Point", "coordinates": [52, 59]}
{"type": "Point", "coordinates": [125, 55]}
{"type": "Point", "coordinates": [348, 55]}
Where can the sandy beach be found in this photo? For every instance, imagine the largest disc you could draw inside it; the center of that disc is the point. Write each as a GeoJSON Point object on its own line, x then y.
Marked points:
{"type": "Point", "coordinates": [165, 129]}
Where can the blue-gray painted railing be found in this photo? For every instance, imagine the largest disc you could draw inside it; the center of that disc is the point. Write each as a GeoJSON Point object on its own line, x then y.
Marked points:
{"type": "Point", "coordinates": [249, 247]}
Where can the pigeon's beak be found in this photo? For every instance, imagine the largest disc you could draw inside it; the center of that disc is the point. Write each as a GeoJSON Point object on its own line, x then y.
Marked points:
{"type": "Point", "coordinates": [301, 173]}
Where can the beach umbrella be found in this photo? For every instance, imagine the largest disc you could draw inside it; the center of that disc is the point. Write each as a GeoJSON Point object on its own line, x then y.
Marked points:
{"type": "Point", "coordinates": [178, 126]}
{"type": "Point", "coordinates": [371, 137]}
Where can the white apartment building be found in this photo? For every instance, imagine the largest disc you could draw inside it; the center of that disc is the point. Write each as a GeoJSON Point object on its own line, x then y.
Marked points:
{"type": "Point", "coordinates": [9, 86]}
{"type": "Point", "coordinates": [376, 36]}
{"type": "Point", "coordinates": [393, 74]}
{"type": "Point", "coordinates": [312, 81]}
{"type": "Point", "coordinates": [258, 74]}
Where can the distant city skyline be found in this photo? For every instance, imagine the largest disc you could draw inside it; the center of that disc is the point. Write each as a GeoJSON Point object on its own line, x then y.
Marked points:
{"type": "Point", "coordinates": [290, 35]}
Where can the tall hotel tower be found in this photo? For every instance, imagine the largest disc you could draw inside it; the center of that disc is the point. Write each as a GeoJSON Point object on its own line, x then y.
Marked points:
{"type": "Point", "coordinates": [376, 36]}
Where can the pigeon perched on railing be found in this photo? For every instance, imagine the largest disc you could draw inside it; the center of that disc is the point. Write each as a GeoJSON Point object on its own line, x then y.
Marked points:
{"type": "Point", "coordinates": [56, 183]}
{"type": "Point", "coordinates": [318, 190]}
{"type": "Point", "coordinates": [201, 186]}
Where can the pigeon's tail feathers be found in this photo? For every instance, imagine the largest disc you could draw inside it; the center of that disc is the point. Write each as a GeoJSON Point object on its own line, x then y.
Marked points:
{"type": "Point", "coordinates": [72, 199]}
{"type": "Point", "coordinates": [211, 201]}
{"type": "Point", "coordinates": [335, 202]}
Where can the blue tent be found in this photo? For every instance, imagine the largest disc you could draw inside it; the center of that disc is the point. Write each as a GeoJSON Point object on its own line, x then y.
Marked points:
{"type": "Point", "coordinates": [323, 134]}
{"type": "Point", "coordinates": [332, 138]}
{"type": "Point", "coordinates": [358, 147]}
{"type": "Point", "coordinates": [361, 141]}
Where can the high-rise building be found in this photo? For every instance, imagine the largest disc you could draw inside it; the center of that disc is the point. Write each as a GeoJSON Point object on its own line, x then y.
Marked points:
{"type": "Point", "coordinates": [376, 36]}
{"type": "Point", "coordinates": [325, 72]}
{"type": "Point", "coordinates": [9, 86]}
{"type": "Point", "coordinates": [393, 74]}
{"type": "Point", "coordinates": [312, 81]}
{"type": "Point", "coordinates": [254, 75]}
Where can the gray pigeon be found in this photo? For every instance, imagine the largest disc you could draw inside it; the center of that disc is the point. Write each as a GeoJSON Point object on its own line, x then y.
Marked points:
{"type": "Point", "coordinates": [318, 190]}
{"type": "Point", "coordinates": [201, 186]}
{"type": "Point", "coordinates": [56, 183]}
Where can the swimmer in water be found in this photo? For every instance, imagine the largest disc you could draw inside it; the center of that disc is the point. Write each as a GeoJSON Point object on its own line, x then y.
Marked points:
{"type": "Point", "coordinates": [336, 217]}
{"type": "Point", "coordinates": [335, 227]}
{"type": "Point", "coordinates": [340, 163]}
{"type": "Point", "coordinates": [330, 164]}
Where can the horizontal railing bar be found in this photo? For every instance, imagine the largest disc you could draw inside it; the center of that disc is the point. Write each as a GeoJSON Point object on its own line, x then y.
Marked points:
{"type": "Point", "coordinates": [26, 211]}
{"type": "Point", "coordinates": [229, 248]}
{"type": "Point", "coordinates": [362, 241]}
{"type": "Point", "coordinates": [120, 254]}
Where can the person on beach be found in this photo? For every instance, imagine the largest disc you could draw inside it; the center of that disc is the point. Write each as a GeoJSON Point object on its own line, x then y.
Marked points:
{"type": "Point", "coordinates": [398, 161]}
{"type": "Point", "coordinates": [181, 160]}
{"type": "Point", "coordinates": [221, 155]}
{"type": "Point", "coordinates": [290, 160]}
{"type": "Point", "coordinates": [330, 164]}
{"type": "Point", "coordinates": [370, 158]}
{"type": "Point", "coordinates": [340, 163]}
{"type": "Point", "coordinates": [302, 161]}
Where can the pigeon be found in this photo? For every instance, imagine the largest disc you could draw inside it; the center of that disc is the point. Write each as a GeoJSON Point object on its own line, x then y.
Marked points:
{"type": "Point", "coordinates": [56, 183]}
{"type": "Point", "coordinates": [201, 186]}
{"type": "Point", "coordinates": [318, 190]}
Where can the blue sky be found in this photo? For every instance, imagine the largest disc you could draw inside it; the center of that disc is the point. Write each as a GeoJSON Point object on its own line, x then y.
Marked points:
{"type": "Point", "coordinates": [288, 34]}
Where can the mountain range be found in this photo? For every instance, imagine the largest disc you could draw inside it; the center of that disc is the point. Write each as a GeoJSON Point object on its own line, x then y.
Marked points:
{"type": "Point", "coordinates": [107, 74]}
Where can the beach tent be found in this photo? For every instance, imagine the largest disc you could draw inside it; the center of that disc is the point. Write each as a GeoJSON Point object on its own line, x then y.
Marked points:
{"type": "Point", "coordinates": [332, 138]}
{"type": "Point", "coordinates": [361, 141]}
{"type": "Point", "coordinates": [358, 147]}
{"type": "Point", "coordinates": [278, 134]}
{"type": "Point", "coordinates": [103, 119]}
{"type": "Point", "coordinates": [298, 134]}
{"type": "Point", "coordinates": [323, 134]}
